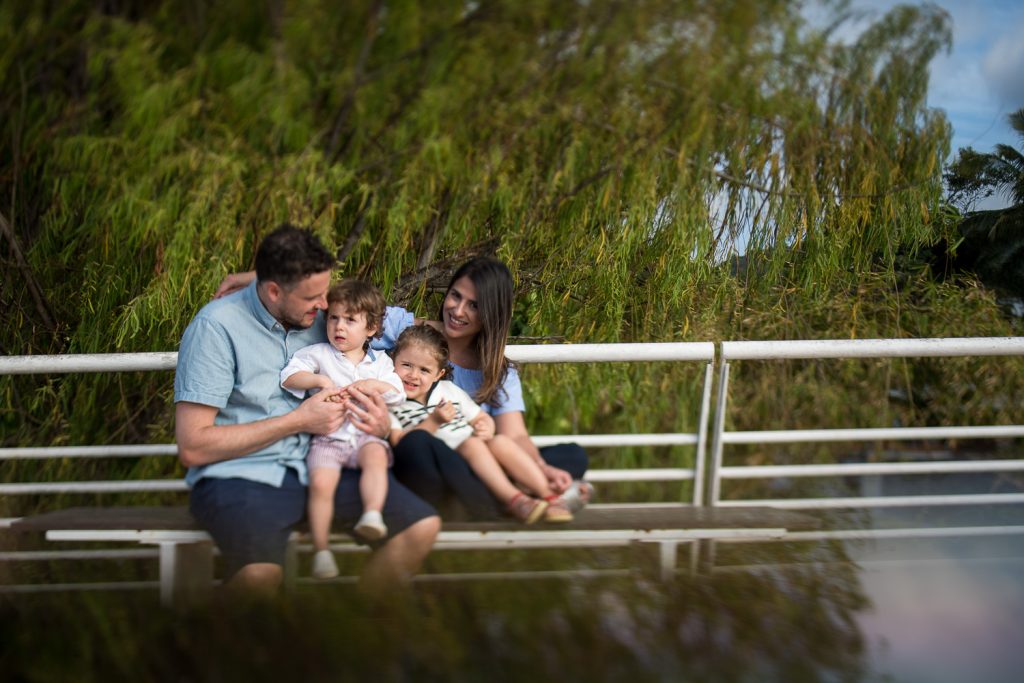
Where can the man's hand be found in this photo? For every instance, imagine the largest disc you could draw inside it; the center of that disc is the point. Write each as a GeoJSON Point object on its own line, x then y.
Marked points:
{"type": "Point", "coordinates": [368, 412]}
{"type": "Point", "coordinates": [444, 412]}
{"type": "Point", "coordinates": [321, 413]}
{"type": "Point", "coordinates": [559, 480]}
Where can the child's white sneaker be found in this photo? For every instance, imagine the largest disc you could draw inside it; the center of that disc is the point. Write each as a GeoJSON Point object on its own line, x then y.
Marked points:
{"type": "Point", "coordinates": [324, 566]}
{"type": "Point", "coordinates": [371, 526]}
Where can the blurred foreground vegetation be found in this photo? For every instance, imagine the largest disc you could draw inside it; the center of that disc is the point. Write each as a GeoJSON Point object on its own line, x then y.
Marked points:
{"type": "Point", "coordinates": [651, 171]}
{"type": "Point", "coordinates": [793, 623]}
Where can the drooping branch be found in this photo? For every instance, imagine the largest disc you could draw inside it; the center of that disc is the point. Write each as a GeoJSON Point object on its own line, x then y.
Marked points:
{"type": "Point", "coordinates": [26, 271]}
{"type": "Point", "coordinates": [335, 148]}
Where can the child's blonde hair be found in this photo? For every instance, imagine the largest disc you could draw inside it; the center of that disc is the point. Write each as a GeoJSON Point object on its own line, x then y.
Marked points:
{"type": "Point", "coordinates": [430, 339]}
{"type": "Point", "coordinates": [359, 296]}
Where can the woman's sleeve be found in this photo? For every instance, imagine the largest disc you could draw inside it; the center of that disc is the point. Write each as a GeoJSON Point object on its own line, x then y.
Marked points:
{"type": "Point", "coordinates": [396, 319]}
{"type": "Point", "coordinates": [510, 397]}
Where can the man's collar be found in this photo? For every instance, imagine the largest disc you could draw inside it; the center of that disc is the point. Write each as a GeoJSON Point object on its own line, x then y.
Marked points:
{"type": "Point", "coordinates": [258, 309]}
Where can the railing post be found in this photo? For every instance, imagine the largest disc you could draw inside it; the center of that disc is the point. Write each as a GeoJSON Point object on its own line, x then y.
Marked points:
{"type": "Point", "coordinates": [702, 439]}
{"type": "Point", "coordinates": [716, 439]}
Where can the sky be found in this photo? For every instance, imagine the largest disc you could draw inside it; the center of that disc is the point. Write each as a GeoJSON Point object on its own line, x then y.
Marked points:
{"type": "Point", "coordinates": [981, 80]}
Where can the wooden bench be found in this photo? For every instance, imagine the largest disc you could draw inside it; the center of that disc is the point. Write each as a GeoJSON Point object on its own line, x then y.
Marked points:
{"type": "Point", "coordinates": [186, 551]}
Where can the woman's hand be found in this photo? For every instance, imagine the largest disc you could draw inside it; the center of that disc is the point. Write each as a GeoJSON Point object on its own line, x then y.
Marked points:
{"type": "Point", "coordinates": [234, 282]}
{"type": "Point", "coordinates": [368, 412]}
{"type": "Point", "coordinates": [483, 426]}
{"type": "Point", "coordinates": [559, 480]}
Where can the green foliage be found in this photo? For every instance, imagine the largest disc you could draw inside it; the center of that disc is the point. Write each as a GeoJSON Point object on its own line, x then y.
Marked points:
{"type": "Point", "coordinates": [991, 243]}
{"type": "Point", "coordinates": [976, 175]}
{"type": "Point", "coordinates": [618, 155]}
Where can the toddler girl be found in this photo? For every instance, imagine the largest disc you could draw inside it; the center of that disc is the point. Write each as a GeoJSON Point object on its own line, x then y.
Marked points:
{"type": "Point", "coordinates": [446, 411]}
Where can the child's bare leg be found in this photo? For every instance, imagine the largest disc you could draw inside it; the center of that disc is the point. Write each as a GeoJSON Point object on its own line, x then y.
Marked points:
{"type": "Point", "coordinates": [373, 483]}
{"type": "Point", "coordinates": [322, 483]}
{"type": "Point", "coordinates": [521, 468]}
{"type": "Point", "coordinates": [483, 462]}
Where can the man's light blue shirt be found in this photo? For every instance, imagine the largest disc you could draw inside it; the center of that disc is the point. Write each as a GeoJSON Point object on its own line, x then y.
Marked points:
{"type": "Point", "coordinates": [230, 358]}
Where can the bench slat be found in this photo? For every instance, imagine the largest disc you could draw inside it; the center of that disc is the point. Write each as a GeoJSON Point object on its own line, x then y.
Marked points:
{"type": "Point", "coordinates": [179, 519]}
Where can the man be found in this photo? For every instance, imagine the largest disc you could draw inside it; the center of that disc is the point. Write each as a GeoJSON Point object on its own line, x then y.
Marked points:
{"type": "Point", "coordinates": [244, 439]}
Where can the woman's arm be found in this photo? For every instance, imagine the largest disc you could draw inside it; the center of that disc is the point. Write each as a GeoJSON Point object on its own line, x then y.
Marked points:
{"type": "Point", "coordinates": [512, 425]}
{"type": "Point", "coordinates": [233, 282]}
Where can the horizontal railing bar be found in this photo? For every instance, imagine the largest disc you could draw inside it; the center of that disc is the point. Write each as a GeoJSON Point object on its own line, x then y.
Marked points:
{"type": "Point", "coordinates": [523, 353]}
{"type": "Point", "coordinates": [871, 434]}
{"type": "Point", "coordinates": [155, 536]}
{"type": "Point", "coordinates": [88, 362]}
{"type": "Point", "coordinates": [152, 450]}
{"type": "Point", "coordinates": [43, 555]}
{"type": "Point", "coordinates": [593, 440]}
{"type": "Point", "coordinates": [48, 452]}
{"type": "Point", "coordinates": [585, 535]}
{"type": "Point", "coordinates": [876, 502]}
{"type": "Point", "coordinates": [626, 352]}
{"type": "Point", "coordinates": [608, 440]}
{"type": "Point", "coordinates": [142, 485]}
{"type": "Point", "coordinates": [69, 587]}
{"type": "Point", "coordinates": [913, 563]}
{"type": "Point", "coordinates": [139, 485]}
{"type": "Point", "coordinates": [883, 534]}
{"type": "Point", "coordinates": [879, 468]}
{"type": "Point", "coordinates": [641, 474]}
{"type": "Point", "coordinates": [872, 348]}
{"type": "Point", "coordinates": [503, 576]}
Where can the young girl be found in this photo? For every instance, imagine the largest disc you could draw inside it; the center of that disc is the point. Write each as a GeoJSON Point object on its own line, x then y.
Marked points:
{"type": "Point", "coordinates": [355, 311]}
{"type": "Point", "coordinates": [446, 411]}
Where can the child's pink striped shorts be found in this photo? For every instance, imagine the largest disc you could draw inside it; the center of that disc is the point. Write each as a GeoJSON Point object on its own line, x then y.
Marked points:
{"type": "Point", "coordinates": [327, 452]}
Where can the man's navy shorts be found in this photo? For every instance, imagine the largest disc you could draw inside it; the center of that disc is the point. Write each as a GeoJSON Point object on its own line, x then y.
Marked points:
{"type": "Point", "coordinates": [250, 522]}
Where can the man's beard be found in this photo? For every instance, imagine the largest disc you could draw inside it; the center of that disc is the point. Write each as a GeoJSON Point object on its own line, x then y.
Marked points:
{"type": "Point", "coordinates": [300, 323]}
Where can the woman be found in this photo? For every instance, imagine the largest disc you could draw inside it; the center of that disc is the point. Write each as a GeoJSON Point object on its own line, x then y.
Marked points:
{"type": "Point", "coordinates": [475, 317]}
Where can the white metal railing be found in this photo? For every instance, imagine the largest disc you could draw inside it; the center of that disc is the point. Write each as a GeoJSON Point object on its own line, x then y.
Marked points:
{"type": "Point", "coordinates": [858, 348]}
{"type": "Point", "coordinates": [698, 351]}
{"type": "Point", "coordinates": [536, 353]}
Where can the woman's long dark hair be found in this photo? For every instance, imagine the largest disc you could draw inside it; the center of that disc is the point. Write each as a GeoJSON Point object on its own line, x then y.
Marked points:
{"type": "Point", "coordinates": [494, 295]}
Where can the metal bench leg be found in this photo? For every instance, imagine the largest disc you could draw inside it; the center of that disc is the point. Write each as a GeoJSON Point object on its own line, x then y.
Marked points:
{"type": "Point", "coordinates": [291, 563]}
{"type": "Point", "coordinates": [667, 552]}
{"type": "Point", "coordinates": [186, 573]}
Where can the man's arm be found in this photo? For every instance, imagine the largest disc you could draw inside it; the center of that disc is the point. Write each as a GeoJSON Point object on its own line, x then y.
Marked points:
{"type": "Point", "coordinates": [201, 442]}
{"type": "Point", "coordinates": [368, 412]}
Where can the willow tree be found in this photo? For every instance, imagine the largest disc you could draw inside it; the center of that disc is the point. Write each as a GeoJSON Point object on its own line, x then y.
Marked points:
{"type": "Point", "coordinates": [616, 154]}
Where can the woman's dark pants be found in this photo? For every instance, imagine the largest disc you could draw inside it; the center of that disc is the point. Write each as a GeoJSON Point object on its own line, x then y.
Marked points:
{"type": "Point", "coordinates": [440, 476]}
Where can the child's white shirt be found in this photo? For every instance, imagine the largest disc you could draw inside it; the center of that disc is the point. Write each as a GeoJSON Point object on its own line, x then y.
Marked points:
{"type": "Point", "coordinates": [324, 359]}
{"type": "Point", "coordinates": [410, 413]}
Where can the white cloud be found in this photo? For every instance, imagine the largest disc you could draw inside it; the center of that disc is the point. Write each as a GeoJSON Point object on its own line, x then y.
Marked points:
{"type": "Point", "coordinates": [1004, 68]}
